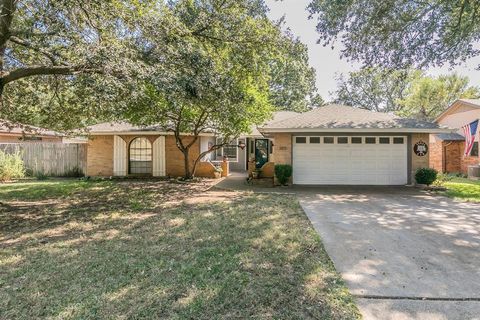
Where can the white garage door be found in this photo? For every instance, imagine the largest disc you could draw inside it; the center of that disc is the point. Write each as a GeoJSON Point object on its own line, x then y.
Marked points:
{"type": "Point", "coordinates": [350, 160]}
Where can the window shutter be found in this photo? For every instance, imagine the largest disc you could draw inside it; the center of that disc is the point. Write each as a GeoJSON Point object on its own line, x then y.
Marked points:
{"type": "Point", "coordinates": [119, 157]}
{"type": "Point", "coordinates": [159, 157]}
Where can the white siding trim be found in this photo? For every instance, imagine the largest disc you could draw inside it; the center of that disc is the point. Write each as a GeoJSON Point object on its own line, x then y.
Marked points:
{"type": "Point", "coordinates": [158, 157]}
{"type": "Point", "coordinates": [119, 157]}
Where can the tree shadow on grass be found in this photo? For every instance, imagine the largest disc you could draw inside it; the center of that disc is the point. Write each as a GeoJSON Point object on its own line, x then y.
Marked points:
{"type": "Point", "coordinates": [246, 256]}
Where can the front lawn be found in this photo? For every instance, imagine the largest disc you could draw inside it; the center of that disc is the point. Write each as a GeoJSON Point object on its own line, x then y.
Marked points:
{"type": "Point", "coordinates": [140, 249]}
{"type": "Point", "coordinates": [463, 189]}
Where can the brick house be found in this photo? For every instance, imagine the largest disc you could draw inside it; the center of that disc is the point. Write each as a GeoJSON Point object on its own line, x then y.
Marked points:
{"type": "Point", "coordinates": [329, 145]}
{"type": "Point", "coordinates": [447, 149]}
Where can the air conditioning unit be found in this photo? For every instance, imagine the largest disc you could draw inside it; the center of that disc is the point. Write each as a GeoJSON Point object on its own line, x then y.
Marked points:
{"type": "Point", "coordinates": [474, 172]}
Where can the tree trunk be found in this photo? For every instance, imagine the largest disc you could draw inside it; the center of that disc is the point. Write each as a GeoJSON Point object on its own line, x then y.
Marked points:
{"type": "Point", "coordinates": [186, 159]}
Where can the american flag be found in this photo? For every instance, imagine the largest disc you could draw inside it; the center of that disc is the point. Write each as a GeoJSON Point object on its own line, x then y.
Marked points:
{"type": "Point", "coordinates": [470, 131]}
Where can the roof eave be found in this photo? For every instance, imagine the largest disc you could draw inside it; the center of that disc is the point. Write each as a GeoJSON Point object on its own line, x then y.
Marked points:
{"type": "Point", "coordinates": [145, 133]}
{"type": "Point", "coordinates": [353, 130]}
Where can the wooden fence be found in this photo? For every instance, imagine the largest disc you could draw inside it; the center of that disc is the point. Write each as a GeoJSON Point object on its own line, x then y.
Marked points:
{"type": "Point", "coordinates": [52, 159]}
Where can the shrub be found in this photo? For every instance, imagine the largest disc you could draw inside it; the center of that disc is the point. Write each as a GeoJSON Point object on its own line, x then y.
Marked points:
{"type": "Point", "coordinates": [441, 179]}
{"type": "Point", "coordinates": [426, 176]}
{"type": "Point", "coordinates": [41, 175]}
{"type": "Point", "coordinates": [75, 172]}
{"type": "Point", "coordinates": [11, 166]}
{"type": "Point", "coordinates": [283, 172]}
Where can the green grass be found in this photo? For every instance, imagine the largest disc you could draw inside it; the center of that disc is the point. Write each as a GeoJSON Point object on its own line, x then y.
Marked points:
{"type": "Point", "coordinates": [463, 189]}
{"type": "Point", "coordinates": [82, 250]}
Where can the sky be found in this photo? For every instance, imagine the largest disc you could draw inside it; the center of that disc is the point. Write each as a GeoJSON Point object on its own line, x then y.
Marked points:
{"type": "Point", "coordinates": [326, 61]}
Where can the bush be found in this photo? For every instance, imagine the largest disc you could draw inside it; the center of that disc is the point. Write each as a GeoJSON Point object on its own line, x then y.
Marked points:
{"type": "Point", "coordinates": [75, 172]}
{"type": "Point", "coordinates": [426, 176]}
{"type": "Point", "coordinates": [442, 178]}
{"type": "Point", "coordinates": [283, 172]}
{"type": "Point", "coordinates": [11, 166]}
{"type": "Point", "coordinates": [41, 175]}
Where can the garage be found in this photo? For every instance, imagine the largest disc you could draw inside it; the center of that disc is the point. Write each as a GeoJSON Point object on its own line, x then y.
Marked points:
{"type": "Point", "coordinates": [350, 160]}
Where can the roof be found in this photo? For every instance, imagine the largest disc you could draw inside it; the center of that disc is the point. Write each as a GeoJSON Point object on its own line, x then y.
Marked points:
{"type": "Point", "coordinates": [336, 117]}
{"type": "Point", "coordinates": [113, 127]}
{"type": "Point", "coordinates": [474, 103]}
{"type": "Point", "coordinates": [450, 137]}
{"type": "Point", "coordinates": [277, 116]}
{"type": "Point", "coordinates": [24, 129]}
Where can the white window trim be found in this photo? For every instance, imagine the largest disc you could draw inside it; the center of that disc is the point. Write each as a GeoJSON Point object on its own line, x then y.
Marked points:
{"type": "Point", "coordinates": [219, 140]}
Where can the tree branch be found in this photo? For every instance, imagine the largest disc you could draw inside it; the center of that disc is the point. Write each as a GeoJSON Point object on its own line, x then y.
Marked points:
{"type": "Point", "coordinates": [44, 70]}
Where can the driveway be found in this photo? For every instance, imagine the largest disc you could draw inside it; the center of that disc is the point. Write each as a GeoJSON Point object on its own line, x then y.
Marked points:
{"type": "Point", "coordinates": [403, 253]}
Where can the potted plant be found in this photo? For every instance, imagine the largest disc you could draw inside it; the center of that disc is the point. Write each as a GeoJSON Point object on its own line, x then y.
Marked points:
{"type": "Point", "coordinates": [218, 172]}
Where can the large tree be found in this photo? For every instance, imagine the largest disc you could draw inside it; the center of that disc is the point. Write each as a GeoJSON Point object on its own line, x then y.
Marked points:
{"type": "Point", "coordinates": [60, 59]}
{"type": "Point", "coordinates": [409, 93]}
{"type": "Point", "coordinates": [400, 33]}
{"type": "Point", "coordinates": [218, 75]}
{"type": "Point", "coordinates": [374, 88]}
{"type": "Point", "coordinates": [427, 97]}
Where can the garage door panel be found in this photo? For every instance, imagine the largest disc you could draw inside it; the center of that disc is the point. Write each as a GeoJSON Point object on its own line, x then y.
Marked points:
{"type": "Point", "coordinates": [357, 164]}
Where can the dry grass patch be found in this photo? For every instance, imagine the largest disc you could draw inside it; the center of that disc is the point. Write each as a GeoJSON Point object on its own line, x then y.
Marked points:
{"type": "Point", "coordinates": [161, 250]}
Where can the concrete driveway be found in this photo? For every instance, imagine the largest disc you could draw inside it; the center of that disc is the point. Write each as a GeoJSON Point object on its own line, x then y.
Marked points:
{"type": "Point", "coordinates": [403, 253]}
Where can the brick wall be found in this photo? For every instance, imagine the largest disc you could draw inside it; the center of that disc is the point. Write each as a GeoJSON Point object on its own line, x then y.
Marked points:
{"type": "Point", "coordinates": [418, 161]}
{"type": "Point", "coordinates": [282, 150]}
{"type": "Point", "coordinates": [174, 157]}
{"type": "Point", "coordinates": [453, 153]}
{"type": "Point", "coordinates": [436, 154]}
{"type": "Point", "coordinates": [100, 156]}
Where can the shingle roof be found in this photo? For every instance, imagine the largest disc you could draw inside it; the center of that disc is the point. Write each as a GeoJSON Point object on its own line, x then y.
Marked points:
{"type": "Point", "coordinates": [344, 117]}
{"type": "Point", "coordinates": [24, 129]}
{"type": "Point", "coordinates": [474, 102]}
{"type": "Point", "coordinates": [450, 137]}
{"type": "Point", "coordinates": [277, 116]}
{"type": "Point", "coordinates": [111, 127]}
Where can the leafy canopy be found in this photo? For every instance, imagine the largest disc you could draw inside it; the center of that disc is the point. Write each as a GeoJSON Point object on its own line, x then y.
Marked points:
{"type": "Point", "coordinates": [400, 33]}
{"type": "Point", "coordinates": [409, 93]}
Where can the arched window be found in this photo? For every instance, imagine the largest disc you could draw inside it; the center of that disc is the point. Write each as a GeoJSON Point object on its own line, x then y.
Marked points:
{"type": "Point", "coordinates": [140, 156]}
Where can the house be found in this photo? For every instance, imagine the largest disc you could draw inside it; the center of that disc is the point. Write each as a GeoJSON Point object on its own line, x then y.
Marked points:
{"type": "Point", "coordinates": [341, 145]}
{"type": "Point", "coordinates": [19, 133]}
{"type": "Point", "coordinates": [447, 150]}
{"type": "Point", "coordinates": [117, 149]}
{"type": "Point", "coordinates": [329, 145]}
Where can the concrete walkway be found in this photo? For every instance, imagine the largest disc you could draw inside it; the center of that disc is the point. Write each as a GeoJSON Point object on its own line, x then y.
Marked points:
{"type": "Point", "coordinates": [403, 253]}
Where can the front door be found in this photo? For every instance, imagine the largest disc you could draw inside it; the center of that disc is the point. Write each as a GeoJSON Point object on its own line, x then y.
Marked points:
{"type": "Point", "coordinates": [261, 152]}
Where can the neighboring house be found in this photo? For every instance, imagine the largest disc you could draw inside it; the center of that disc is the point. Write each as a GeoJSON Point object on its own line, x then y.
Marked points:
{"type": "Point", "coordinates": [341, 145]}
{"type": "Point", "coordinates": [14, 133]}
{"type": "Point", "coordinates": [447, 150]}
{"type": "Point", "coordinates": [328, 145]}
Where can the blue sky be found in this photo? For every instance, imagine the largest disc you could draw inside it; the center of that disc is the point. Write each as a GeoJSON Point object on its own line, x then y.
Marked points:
{"type": "Point", "coordinates": [326, 61]}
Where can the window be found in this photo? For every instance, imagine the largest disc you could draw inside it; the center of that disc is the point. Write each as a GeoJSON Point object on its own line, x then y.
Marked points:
{"type": "Point", "coordinates": [370, 140]}
{"type": "Point", "coordinates": [384, 140]}
{"type": "Point", "coordinates": [398, 140]}
{"type": "Point", "coordinates": [328, 140]}
{"type": "Point", "coordinates": [314, 139]}
{"type": "Point", "coordinates": [342, 140]}
{"type": "Point", "coordinates": [474, 150]}
{"type": "Point", "coordinates": [301, 140]}
{"type": "Point", "coordinates": [230, 151]}
{"type": "Point", "coordinates": [140, 156]}
{"type": "Point", "coordinates": [356, 140]}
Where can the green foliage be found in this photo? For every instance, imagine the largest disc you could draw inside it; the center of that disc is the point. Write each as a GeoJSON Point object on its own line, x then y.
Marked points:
{"type": "Point", "coordinates": [426, 176]}
{"type": "Point", "coordinates": [374, 88]}
{"type": "Point", "coordinates": [283, 172]}
{"type": "Point", "coordinates": [408, 93]}
{"type": "Point", "coordinates": [11, 166]}
{"type": "Point", "coordinates": [442, 178]}
{"type": "Point", "coordinates": [427, 97]}
{"type": "Point", "coordinates": [75, 172]}
{"type": "Point", "coordinates": [401, 33]}
{"type": "Point", "coordinates": [40, 175]}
